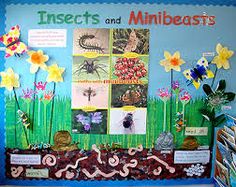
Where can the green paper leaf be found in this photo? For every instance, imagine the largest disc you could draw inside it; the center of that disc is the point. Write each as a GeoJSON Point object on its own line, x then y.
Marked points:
{"type": "Point", "coordinates": [207, 89]}
{"type": "Point", "coordinates": [230, 96]}
{"type": "Point", "coordinates": [219, 120]}
{"type": "Point", "coordinates": [208, 114]}
{"type": "Point", "coordinates": [221, 85]}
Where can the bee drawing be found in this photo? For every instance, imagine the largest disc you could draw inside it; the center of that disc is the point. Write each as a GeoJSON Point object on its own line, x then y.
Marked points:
{"type": "Point", "coordinates": [131, 97]}
{"type": "Point", "coordinates": [89, 93]}
{"type": "Point", "coordinates": [23, 118]}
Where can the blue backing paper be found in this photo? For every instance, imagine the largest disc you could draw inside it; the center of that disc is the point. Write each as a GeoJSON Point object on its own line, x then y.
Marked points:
{"type": "Point", "coordinates": [101, 183]}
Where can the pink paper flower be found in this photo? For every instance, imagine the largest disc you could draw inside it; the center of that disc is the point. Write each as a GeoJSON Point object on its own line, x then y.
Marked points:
{"type": "Point", "coordinates": [40, 85]}
{"type": "Point", "coordinates": [164, 94]}
{"type": "Point", "coordinates": [185, 98]}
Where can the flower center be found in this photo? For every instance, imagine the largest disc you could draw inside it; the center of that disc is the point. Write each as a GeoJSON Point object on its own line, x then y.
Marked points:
{"type": "Point", "coordinates": [224, 54]}
{"type": "Point", "coordinates": [174, 62]}
{"type": "Point", "coordinates": [36, 58]}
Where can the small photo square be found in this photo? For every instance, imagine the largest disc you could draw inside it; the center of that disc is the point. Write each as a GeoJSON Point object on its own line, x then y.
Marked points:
{"type": "Point", "coordinates": [89, 94]}
{"type": "Point", "coordinates": [128, 122]}
{"type": "Point", "coordinates": [135, 69]}
{"type": "Point", "coordinates": [89, 122]}
{"type": "Point", "coordinates": [90, 68]}
{"type": "Point", "coordinates": [130, 40]}
{"type": "Point", "coordinates": [91, 40]}
{"type": "Point", "coordinates": [129, 95]}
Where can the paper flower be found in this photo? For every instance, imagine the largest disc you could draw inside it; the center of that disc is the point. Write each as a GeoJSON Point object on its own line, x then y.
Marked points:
{"type": "Point", "coordinates": [37, 60]}
{"type": "Point", "coordinates": [10, 79]}
{"type": "Point", "coordinates": [55, 73]}
{"type": "Point", "coordinates": [164, 94]}
{"type": "Point", "coordinates": [172, 61]}
{"type": "Point", "coordinates": [185, 98]}
{"type": "Point", "coordinates": [40, 85]}
{"type": "Point", "coordinates": [216, 99]}
{"type": "Point", "coordinates": [222, 59]}
{"type": "Point", "coordinates": [28, 94]}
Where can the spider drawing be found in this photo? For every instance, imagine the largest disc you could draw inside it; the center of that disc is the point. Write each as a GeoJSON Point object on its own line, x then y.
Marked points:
{"type": "Point", "coordinates": [91, 67]}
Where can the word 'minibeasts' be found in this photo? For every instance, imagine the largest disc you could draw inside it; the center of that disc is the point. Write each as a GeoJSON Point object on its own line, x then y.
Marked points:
{"type": "Point", "coordinates": [163, 18]}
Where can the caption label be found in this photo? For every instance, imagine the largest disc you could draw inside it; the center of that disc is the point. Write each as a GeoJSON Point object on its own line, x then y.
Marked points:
{"type": "Point", "coordinates": [196, 131]}
{"type": "Point", "coordinates": [19, 159]}
{"type": "Point", "coordinates": [189, 157]}
{"type": "Point", "coordinates": [37, 173]}
{"type": "Point", "coordinates": [47, 38]}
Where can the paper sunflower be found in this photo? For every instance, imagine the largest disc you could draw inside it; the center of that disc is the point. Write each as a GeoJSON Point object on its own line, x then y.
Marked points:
{"type": "Point", "coordinates": [10, 79]}
{"type": "Point", "coordinates": [37, 60]}
{"type": "Point", "coordinates": [172, 61]}
{"type": "Point", "coordinates": [55, 73]}
{"type": "Point", "coordinates": [222, 59]}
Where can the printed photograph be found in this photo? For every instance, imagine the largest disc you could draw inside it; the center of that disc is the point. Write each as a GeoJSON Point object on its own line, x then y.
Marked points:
{"type": "Point", "coordinates": [130, 68]}
{"type": "Point", "coordinates": [91, 40]}
{"type": "Point", "coordinates": [90, 68]}
{"type": "Point", "coordinates": [129, 95]}
{"type": "Point", "coordinates": [130, 40]}
{"type": "Point", "coordinates": [128, 122]}
{"type": "Point", "coordinates": [89, 94]}
{"type": "Point", "coordinates": [89, 122]}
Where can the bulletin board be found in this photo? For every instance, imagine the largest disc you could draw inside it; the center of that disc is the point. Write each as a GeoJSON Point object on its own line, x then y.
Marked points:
{"type": "Point", "coordinates": [113, 93]}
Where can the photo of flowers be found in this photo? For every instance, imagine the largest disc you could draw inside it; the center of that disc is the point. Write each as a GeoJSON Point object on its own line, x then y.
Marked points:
{"type": "Point", "coordinates": [89, 122]}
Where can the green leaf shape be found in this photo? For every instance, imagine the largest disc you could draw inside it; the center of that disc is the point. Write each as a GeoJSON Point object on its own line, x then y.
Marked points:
{"type": "Point", "coordinates": [221, 85]}
{"type": "Point", "coordinates": [207, 89]}
{"type": "Point", "coordinates": [230, 96]}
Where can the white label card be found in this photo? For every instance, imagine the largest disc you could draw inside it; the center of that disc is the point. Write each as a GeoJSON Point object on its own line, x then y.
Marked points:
{"type": "Point", "coordinates": [189, 157]}
{"type": "Point", "coordinates": [20, 159]}
{"type": "Point", "coordinates": [47, 37]}
{"type": "Point", "coordinates": [37, 173]}
{"type": "Point", "coordinates": [196, 131]}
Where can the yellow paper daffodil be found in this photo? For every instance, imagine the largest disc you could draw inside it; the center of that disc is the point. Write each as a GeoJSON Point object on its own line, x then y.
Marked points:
{"type": "Point", "coordinates": [10, 79]}
{"type": "Point", "coordinates": [55, 73]}
{"type": "Point", "coordinates": [172, 61]}
{"type": "Point", "coordinates": [37, 60]}
{"type": "Point", "coordinates": [222, 59]}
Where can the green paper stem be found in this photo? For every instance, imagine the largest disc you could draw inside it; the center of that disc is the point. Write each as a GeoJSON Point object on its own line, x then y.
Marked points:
{"type": "Point", "coordinates": [171, 96]}
{"type": "Point", "coordinates": [50, 126]}
{"type": "Point", "coordinates": [18, 107]}
{"type": "Point", "coordinates": [39, 103]}
{"type": "Point", "coordinates": [32, 125]}
{"type": "Point", "coordinates": [183, 111]}
{"type": "Point", "coordinates": [164, 123]}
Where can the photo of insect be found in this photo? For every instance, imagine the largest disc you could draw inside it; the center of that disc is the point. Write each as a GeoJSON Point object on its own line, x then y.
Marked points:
{"type": "Point", "coordinates": [23, 118]}
{"type": "Point", "coordinates": [130, 40]}
{"type": "Point", "coordinates": [83, 42]}
{"type": "Point", "coordinates": [89, 93]}
{"type": "Point", "coordinates": [129, 95]}
{"type": "Point", "coordinates": [88, 40]}
{"type": "Point", "coordinates": [179, 123]}
{"type": "Point", "coordinates": [90, 67]}
{"type": "Point", "coordinates": [128, 121]}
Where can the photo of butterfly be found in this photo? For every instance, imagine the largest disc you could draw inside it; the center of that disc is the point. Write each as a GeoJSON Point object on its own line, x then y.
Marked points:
{"type": "Point", "coordinates": [12, 42]}
{"type": "Point", "coordinates": [200, 72]}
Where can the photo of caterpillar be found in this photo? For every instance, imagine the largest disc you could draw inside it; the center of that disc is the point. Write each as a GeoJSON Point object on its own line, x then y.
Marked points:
{"type": "Point", "coordinates": [91, 40]}
{"type": "Point", "coordinates": [130, 40]}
